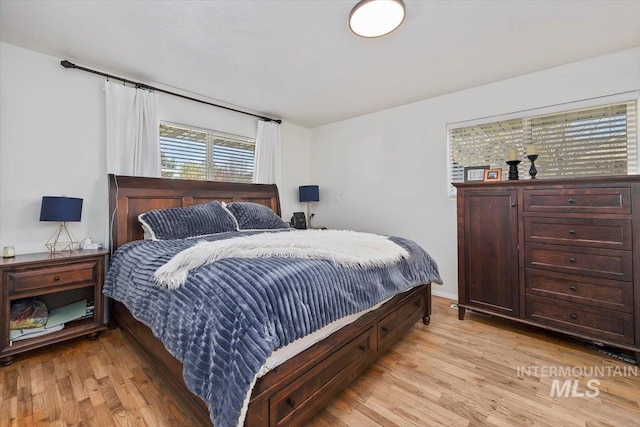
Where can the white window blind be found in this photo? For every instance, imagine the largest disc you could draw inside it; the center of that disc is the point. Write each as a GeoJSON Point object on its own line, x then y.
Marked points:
{"type": "Point", "coordinates": [205, 155]}
{"type": "Point", "coordinates": [594, 141]}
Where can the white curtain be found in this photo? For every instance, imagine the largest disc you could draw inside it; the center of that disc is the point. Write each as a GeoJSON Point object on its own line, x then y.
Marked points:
{"type": "Point", "coordinates": [267, 158]}
{"type": "Point", "coordinates": [133, 139]}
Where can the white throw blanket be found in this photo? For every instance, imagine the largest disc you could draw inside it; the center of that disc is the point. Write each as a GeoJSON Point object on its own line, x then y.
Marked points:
{"type": "Point", "coordinates": [342, 247]}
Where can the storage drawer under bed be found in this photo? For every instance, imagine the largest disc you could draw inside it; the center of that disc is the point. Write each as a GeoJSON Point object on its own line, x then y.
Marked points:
{"type": "Point", "coordinates": [393, 325]}
{"type": "Point", "coordinates": [291, 404]}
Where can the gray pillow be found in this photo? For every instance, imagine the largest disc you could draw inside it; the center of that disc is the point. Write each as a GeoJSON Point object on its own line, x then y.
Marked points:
{"type": "Point", "coordinates": [254, 216]}
{"type": "Point", "coordinates": [185, 222]}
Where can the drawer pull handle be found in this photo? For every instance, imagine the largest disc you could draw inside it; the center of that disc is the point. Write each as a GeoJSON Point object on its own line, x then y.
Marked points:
{"type": "Point", "coordinates": [573, 288]}
{"type": "Point", "coordinates": [572, 259]}
{"type": "Point", "coordinates": [362, 347]}
{"type": "Point", "coordinates": [384, 330]}
{"type": "Point", "coordinates": [572, 231]}
{"type": "Point", "coordinates": [513, 205]}
{"type": "Point", "coordinates": [56, 278]}
{"type": "Point", "coordinates": [574, 316]}
{"type": "Point", "coordinates": [572, 200]}
{"type": "Point", "coordinates": [291, 402]}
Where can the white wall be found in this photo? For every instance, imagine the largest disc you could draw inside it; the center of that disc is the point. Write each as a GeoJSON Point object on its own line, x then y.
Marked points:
{"type": "Point", "coordinates": [52, 142]}
{"type": "Point", "coordinates": [386, 172]}
{"type": "Point", "coordinates": [296, 158]}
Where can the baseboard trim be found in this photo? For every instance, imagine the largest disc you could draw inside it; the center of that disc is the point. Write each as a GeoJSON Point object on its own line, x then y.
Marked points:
{"type": "Point", "coordinates": [447, 295]}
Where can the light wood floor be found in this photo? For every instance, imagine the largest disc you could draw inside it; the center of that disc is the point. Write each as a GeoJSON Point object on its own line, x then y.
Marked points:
{"type": "Point", "coordinates": [451, 373]}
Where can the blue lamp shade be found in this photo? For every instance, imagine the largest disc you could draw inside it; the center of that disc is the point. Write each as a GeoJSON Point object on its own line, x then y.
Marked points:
{"type": "Point", "coordinates": [61, 209]}
{"type": "Point", "coordinates": [309, 193]}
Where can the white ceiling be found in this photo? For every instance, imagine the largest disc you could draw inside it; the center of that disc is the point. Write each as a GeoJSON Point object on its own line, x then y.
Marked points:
{"type": "Point", "coordinates": [297, 60]}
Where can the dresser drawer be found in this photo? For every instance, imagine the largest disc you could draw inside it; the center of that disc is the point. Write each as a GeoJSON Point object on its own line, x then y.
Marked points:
{"type": "Point", "coordinates": [51, 277]}
{"type": "Point", "coordinates": [579, 200]}
{"type": "Point", "coordinates": [591, 322]}
{"type": "Point", "coordinates": [597, 233]}
{"type": "Point", "coordinates": [593, 291]}
{"type": "Point", "coordinates": [292, 403]}
{"type": "Point", "coordinates": [605, 263]}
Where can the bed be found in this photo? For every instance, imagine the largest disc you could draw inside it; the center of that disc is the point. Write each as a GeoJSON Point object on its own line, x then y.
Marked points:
{"type": "Point", "coordinates": [292, 392]}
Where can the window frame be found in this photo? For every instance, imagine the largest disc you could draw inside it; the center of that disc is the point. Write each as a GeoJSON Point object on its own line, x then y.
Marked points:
{"type": "Point", "coordinates": [592, 103]}
{"type": "Point", "coordinates": [210, 137]}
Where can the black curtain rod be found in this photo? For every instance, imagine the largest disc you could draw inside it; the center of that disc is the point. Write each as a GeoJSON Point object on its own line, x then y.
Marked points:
{"type": "Point", "coordinates": [67, 64]}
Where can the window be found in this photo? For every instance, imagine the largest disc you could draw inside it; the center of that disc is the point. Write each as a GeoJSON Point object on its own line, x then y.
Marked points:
{"type": "Point", "coordinates": [205, 155]}
{"type": "Point", "coordinates": [593, 141]}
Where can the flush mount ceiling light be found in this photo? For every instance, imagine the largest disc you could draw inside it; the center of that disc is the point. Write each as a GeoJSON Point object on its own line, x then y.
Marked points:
{"type": "Point", "coordinates": [375, 18]}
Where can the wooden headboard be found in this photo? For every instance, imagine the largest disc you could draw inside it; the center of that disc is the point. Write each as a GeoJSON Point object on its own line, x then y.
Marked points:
{"type": "Point", "coordinates": [129, 196]}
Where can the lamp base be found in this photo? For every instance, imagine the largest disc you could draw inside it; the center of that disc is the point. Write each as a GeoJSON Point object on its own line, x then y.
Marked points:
{"type": "Point", "coordinates": [56, 244]}
{"type": "Point", "coordinates": [309, 215]}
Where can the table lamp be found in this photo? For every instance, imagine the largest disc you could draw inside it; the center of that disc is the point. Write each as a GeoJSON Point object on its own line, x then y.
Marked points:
{"type": "Point", "coordinates": [309, 193]}
{"type": "Point", "coordinates": [63, 210]}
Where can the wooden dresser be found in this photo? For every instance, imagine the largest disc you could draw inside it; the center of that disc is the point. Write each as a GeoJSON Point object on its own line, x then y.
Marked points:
{"type": "Point", "coordinates": [562, 254]}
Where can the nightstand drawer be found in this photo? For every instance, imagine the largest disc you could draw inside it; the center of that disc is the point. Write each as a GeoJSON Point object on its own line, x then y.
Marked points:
{"type": "Point", "coordinates": [579, 200]}
{"type": "Point", "coordinates": [597, 233]}
{"type": "Point", "coordinates": [588, 321]}
{"type": "Point", "coordinates": [29, 280]}
{"type": "Point", "coordinates": [605, 263]}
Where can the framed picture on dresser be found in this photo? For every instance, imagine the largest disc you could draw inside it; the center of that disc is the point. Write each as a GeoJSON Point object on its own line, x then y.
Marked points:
{"type": "Point", "coordinates": [492, 175]}
{"type": "Point", "coordinates": [474, 173]}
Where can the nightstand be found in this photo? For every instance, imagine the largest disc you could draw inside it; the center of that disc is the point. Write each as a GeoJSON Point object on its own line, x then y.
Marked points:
{"type": "Point", "coordinates": [57, 280]}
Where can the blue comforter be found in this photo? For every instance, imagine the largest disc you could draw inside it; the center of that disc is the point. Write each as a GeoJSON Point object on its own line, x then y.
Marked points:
{"type": "Point", "coordinates": [231, 315]}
